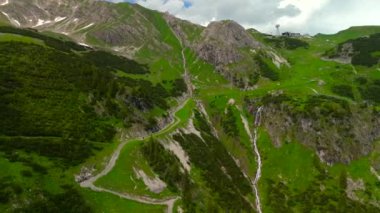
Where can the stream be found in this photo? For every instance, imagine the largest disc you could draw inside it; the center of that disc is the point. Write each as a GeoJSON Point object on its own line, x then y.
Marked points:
{"type": "Point", "coordinates": [254, 139]}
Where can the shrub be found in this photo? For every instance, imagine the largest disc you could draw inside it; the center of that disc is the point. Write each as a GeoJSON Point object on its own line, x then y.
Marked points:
{"type": "Point", "coordinates": [165, 164]}
{"type": "Point", "coordinates": [65, 46]}
{"type": "Point", "coordinates": [343, 90]}
{"type": "Point", "coordinates": [365, 50]}
{"type": "Point", "coordinates": [371, 93]}
{"type": "Point", "coordinates": [288, 43]}
{"type": "Point", "coordinates": [107, 60]}
{"type": "Point", "coordinates": [265, 69]}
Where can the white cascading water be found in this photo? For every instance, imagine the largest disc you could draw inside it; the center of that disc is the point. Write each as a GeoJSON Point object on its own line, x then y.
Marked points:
{"type": "Point", "coordinates": [258, 173]}
{"type": "Point", "coordinates": [254, 139]}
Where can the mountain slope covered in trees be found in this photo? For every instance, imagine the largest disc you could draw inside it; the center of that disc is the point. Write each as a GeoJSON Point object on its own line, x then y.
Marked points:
{"type": "Point", "coordinates": [116, 108]}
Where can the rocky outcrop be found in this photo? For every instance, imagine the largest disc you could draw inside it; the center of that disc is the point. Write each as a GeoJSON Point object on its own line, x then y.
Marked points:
{"type": "Point", "coordinates": [230, 34]}
{"type": "Point", "coordinates": [185, 30]}
{"type": "Point", "coordinates": [221, 41]}
{"type": "Point", "coordinates": [230, 48]}
{"type": "Point", "coordinates": [90, 22]}
{"type": "Point", "coordinates": [336, 130]}
{"type": "Point", "coordinates": [344, 55]}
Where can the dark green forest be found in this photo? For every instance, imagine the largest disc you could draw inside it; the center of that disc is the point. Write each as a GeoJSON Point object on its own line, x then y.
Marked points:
{"type": "Point", "coordinates": [62, 101]}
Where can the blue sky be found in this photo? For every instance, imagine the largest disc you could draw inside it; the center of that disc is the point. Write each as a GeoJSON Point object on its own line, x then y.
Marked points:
{"type": "Point", "coordinates": [305, 16]}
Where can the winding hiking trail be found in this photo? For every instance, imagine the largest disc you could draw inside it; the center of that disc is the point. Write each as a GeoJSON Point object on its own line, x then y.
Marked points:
{"type": "Point", "coordinates": [170, 201]}
{"type": "Point", "coordinates": [254, 139]}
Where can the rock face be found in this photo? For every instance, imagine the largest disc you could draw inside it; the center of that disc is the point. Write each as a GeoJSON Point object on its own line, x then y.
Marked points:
{"type": "Point", "coordinates": [224, 44]}
{"type": "Point", "coordinates": [185, 30]}
{"type": "Point", "coordinates": [229, 33]}
{"type": "Point", "coordinates": [129, 28]}
{"type": "Point", "coordinates": [96, 23]}
{"type": "Point", "coordinates": [344, 55]}
{"type": "Point", "coordinates": [221, 41]}
{"type": "Point", "coordinates": [337, 131]}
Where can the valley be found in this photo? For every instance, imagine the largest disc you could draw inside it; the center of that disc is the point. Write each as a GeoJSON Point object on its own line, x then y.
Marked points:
{"type": "Point", "coordinates": [131, 110]}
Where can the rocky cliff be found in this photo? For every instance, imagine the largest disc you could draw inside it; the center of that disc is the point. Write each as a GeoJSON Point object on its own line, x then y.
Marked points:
{"type": "Point", "coordinates": [335, 129]}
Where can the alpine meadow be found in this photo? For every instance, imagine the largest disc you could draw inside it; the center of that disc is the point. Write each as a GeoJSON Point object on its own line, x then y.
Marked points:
{"type": "Point", "coordinates": [114, 107]}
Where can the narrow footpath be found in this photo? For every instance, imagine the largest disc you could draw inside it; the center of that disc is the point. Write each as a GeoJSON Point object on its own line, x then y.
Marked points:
{"type": "Point", "coordinates": [89, 183]}
{"type": "Point", "coordinates": [170, 201]}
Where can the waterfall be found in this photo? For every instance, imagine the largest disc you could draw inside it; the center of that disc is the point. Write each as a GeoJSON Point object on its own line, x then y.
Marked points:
{"type": "Point", "coordinates": [254, 139]}
{"type": "Point", "coordinates": [258, 157]}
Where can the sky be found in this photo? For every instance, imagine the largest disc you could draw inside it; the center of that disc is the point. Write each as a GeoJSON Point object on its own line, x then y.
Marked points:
{"type": "Point", "coordinates": [304, 16]}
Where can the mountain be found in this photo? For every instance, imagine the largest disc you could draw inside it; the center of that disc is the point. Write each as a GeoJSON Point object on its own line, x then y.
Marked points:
{"type": "Point", "coordinates": [110, 107]}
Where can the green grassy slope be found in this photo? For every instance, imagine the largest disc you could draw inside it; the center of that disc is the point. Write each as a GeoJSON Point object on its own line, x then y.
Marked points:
{"type": "Point", "coordinates": [60, 106]}
{"type": "Point", "coordinates": [64, 106]}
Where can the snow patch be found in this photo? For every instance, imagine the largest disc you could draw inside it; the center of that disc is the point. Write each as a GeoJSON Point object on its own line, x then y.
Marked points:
{"type": "Point", "coordinates": [179, 152]}
{"type": "Point", "coordinates": [58, 19]}
{"type": "Point", "coordinates": [4, 3]}
{"type": "Point", "coordinates": [84, 44]}
{"type": "Point", "coordinates": [155, 185]}
{"type": "Point", "coordinates": [11, 19]}
{"type": "Point", "coordinates": [87, 26]}
{"type": "Point", "coordinates": [42, 22]}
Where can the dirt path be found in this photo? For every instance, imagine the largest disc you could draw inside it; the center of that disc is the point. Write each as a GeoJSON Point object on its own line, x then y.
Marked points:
{"type": "Point", "coordinates": [254, 139]}
{"type": "Point", "coordinates": [169, 202]}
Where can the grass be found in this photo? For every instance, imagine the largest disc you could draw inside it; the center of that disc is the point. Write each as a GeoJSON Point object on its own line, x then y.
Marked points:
{"type": "Point", "coordinates": [130, 159]}
{"type": "Point", "coordinates": [105, 202]}
{"type": "Point", "coordinates": [239, 146]}
{"type": "Point", "coordinates": [203, 74]}
{"type": "Point", "coordinates": [7, 37]}
{"type": "Point", "coordinates": [122, 177]}
{"type": "Point", "coordinates": [291, 163]}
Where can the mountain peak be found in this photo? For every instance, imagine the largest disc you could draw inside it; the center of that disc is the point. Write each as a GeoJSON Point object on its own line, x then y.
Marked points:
{"type": "Point", "coordinates": [230, 33]}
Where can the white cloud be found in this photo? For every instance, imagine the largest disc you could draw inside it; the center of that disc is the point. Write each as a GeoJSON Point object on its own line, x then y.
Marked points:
{"type": "Point", "coordinates": [306, 16]}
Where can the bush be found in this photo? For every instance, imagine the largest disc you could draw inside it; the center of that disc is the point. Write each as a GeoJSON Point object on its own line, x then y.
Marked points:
{"type": "Point", "coordinates": [107, 60]}
{"type": "Point", "coordinates": [179, 87]}
{"type": "Point", "coordinates": [343, 90]}
{"type": "Point", "coordinates": [365, 49]}
{"type": "Point", "coordinates": [361, 80]}
{"type": "Point", "coordinates": [371, 93]}
{"type": "Point", "coordinates": [65, 46]}
{"type": "Point", "coordinates": [287, 43]}
{"type": "Point", "coordinates": [165, 164]}
{"type": "Point", "coordinates": [8, 189]}
{"type": "Point", "coordinates": [70, 201]}
{"type": "Point", "coordinates": [225, 179]}
{"type": "Point", "coordinates": [265, 69]}
{"type": "Point", "coordinates": [26, 173]}
{"type": "Point", "coordinates": [229, 123]}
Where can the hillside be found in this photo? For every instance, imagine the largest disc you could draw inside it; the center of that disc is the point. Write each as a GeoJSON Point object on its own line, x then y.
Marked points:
{"type": "Point", "coordinates": [110, 107]}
